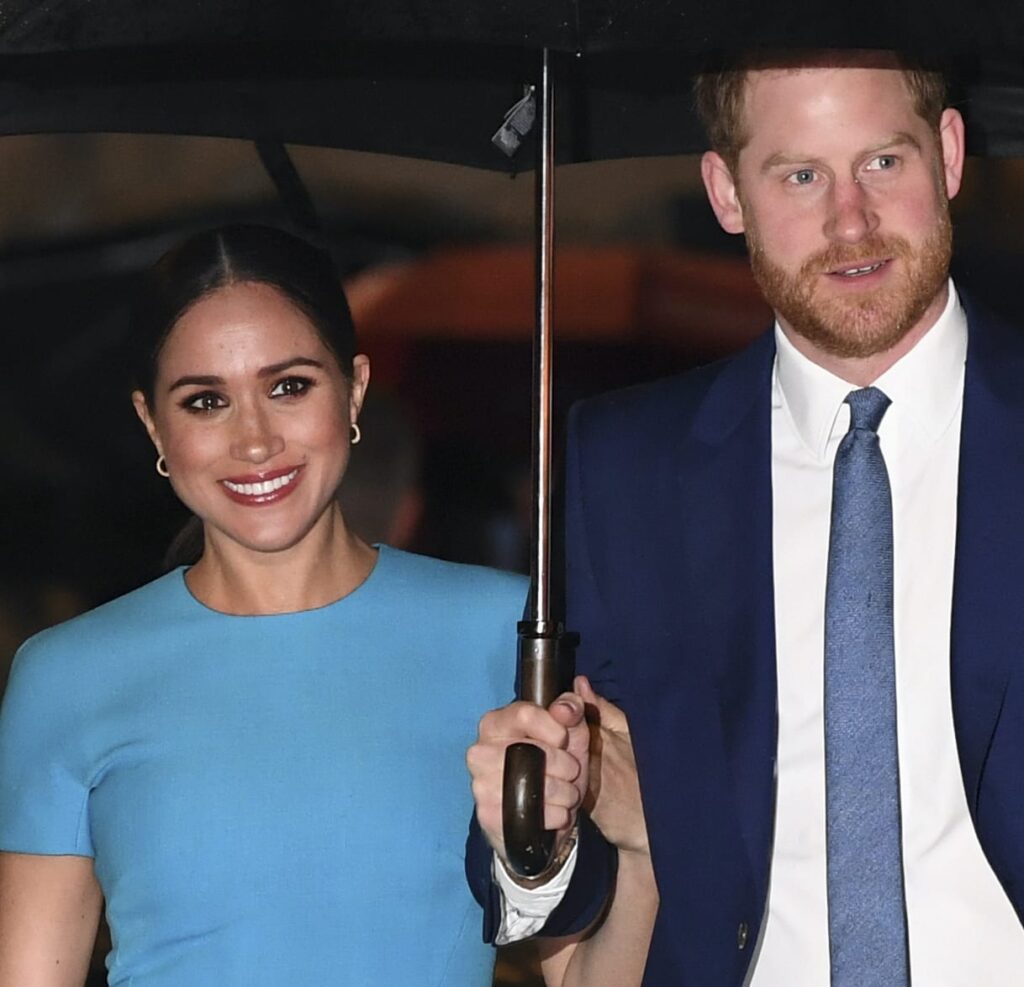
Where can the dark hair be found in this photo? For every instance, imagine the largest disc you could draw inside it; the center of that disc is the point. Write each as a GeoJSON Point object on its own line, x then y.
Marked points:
{"type": "Point", "coordinates": [227, 255]}
{"type": "Point", "coordinates": [720, 89]}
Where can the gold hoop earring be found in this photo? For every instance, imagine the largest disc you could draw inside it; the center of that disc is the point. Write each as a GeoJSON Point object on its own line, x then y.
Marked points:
{"type": "Point", "coordinates": [357, 435]}
{"type": "Point", "coordinates": [161, 466]}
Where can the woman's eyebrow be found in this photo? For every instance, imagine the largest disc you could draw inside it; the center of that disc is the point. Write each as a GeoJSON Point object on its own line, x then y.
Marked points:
{"type": "Point", "coordinates": [211, 380]}
{"type": "Point", "coordinates": [295, 361]}
{"type": "Point", "coordinates": [196, 381]}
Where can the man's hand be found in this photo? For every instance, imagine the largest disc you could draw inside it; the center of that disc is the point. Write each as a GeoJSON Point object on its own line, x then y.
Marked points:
{"type": "Point", "coordinates": [613, 799]}
{"type": "Point", "coordinates": [562, 732]}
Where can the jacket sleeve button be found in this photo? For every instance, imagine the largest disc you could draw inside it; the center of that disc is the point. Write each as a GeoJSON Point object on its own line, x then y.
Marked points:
{"type": "Point", "coordinates": [741, 935]}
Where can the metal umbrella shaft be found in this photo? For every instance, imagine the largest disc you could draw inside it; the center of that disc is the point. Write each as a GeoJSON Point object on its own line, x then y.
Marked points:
{"type": "Point", "coordinates": [542, 668]}
{"type": "Point", "coordinates": [540, 589]}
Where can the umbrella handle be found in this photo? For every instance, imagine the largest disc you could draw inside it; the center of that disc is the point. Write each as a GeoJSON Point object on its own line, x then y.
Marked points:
{"type": "Point", "coordinates": [528, 846]}
{"type": "Point", "coordinates": [545, 671]}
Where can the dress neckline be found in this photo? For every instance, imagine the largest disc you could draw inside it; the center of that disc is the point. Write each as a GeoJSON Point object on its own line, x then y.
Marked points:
{"type": "Point", "coordinates": [367, 585]}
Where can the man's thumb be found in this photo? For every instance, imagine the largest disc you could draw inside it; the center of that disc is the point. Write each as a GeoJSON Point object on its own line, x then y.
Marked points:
{"type": "Point", "coordinates": [609, 715]}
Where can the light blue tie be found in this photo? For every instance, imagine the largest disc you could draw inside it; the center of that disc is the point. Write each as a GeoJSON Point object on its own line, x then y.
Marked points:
{"type": "Point", "coordinates": [866, 913]}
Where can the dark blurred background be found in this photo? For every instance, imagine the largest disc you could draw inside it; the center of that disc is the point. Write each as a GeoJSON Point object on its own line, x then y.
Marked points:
{"type": "Point", "coordinates": [438, 261]}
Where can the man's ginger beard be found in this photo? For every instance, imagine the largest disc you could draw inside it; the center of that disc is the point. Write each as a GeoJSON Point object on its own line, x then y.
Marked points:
{"type": "Point", "coordinates": [848, 324]}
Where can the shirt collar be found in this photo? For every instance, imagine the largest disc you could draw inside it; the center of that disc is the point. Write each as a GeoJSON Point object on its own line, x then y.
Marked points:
{"type": "Point", "coordinates": [926, 384]}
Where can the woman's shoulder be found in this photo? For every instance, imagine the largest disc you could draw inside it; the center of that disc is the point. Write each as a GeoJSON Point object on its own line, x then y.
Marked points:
{"type": "Point", "coordinates": [463, 617]}
{"type": "Point", "coordinates": [142, 610]}
{"type": "Point", "coordinates": [440, 577]}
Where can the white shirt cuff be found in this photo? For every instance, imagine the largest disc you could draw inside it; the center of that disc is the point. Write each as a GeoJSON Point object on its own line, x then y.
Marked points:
{"type": "Point", "coordinates": [525, 910]}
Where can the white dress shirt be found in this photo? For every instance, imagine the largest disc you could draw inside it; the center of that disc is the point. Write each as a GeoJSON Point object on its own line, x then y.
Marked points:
{"type": "Point", "coordinates": [963, 931]}
{"type": "Point", "coordinates": [962, 928]}
{"type": "Point", "coordinates": [525, 910]}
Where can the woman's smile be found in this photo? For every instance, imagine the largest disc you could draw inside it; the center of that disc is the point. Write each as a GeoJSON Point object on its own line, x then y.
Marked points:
{"type": "Point", "coordinates": [257, 489]}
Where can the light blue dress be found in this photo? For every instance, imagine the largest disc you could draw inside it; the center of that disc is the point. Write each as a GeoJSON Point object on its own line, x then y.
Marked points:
{"type": "Point", "coordinates": [270, 800]}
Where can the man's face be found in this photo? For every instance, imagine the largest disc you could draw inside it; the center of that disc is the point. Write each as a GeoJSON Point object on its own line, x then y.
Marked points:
{"type": "Point", "coordinates": [842, 191]}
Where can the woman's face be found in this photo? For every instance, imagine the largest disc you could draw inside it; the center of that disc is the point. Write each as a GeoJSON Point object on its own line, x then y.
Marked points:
{"type": "Point", "coordinates": [253, 415]}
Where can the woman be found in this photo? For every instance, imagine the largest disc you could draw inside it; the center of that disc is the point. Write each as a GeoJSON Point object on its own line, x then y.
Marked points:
{"type": "Point", "coordinates": [255, 760]}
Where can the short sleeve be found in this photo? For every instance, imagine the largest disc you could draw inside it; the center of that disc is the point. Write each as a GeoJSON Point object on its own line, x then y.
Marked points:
{"type": "Point", "coordinates": [43, 789]}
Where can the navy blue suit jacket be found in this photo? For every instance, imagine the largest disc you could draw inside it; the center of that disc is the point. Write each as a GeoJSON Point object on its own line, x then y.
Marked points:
{"type": "Point", "coordinates": [669, 547]}
{"type": "Point", "coordinates": [670, 585]}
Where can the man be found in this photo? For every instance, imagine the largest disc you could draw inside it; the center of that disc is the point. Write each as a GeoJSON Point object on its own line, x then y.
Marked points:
{"type": "Point", "coordinates": [798, 571]}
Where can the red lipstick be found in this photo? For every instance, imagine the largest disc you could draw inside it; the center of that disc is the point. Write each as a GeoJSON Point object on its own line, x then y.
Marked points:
{"type": "Point", "coordinates": [258, 489]}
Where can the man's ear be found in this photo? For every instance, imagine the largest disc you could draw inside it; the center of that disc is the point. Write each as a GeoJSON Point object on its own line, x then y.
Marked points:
{"type": "Point", "coordinates": [722, 194]}
{"type": "Point", "coordinates": [142, 410]}
{"type": "Point", "coordinates": [951, 142]}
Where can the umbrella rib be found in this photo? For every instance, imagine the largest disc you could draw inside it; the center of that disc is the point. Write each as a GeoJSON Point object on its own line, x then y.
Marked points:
{"type": "Point", "coordinates": [291, 189]}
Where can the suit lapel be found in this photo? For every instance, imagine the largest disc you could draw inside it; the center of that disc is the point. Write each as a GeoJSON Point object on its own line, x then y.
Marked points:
{"type": "Point", "coordinates": [988, 619]}
{"type": "Point", "coordinates": [724, 478]}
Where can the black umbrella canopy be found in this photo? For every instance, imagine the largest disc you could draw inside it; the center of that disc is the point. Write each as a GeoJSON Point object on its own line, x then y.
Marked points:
{"type": "Point", "coordinates": [433, 78]}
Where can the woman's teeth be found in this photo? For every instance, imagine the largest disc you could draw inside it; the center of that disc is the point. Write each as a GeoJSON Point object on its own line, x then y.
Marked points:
{"type": "Point", "coordinates": [262, 488]}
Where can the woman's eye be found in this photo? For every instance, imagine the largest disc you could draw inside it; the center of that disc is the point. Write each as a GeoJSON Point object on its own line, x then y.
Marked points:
{"type": "Point", "coordinates": [291, 387]}
{"type": "Point", "coordinates": [205, 401]}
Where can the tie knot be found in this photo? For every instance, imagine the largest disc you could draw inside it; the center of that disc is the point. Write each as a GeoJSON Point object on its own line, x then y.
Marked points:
{"type": "Point", "coordinates": [867, 407]}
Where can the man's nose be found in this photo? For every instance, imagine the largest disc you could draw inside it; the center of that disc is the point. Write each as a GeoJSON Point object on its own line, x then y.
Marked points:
{"type": "Point", "coordinates": [256, 440]}
{"type": "Point", "coordinates": [851, 215]}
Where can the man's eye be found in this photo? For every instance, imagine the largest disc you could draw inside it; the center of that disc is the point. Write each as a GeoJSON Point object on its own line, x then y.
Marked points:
{"type": "Point", "coordinates": [205, 401]}
{"type": "Point", "coordinates": [291, 387]}
{"type": "Point", "coordinates": [883, 162]}
{"type": "Point", "coordinates": [802, 177]}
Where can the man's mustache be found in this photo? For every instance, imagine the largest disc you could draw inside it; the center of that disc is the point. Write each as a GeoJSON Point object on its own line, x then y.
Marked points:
{"type": "Point", "coordinates": [838, 256]}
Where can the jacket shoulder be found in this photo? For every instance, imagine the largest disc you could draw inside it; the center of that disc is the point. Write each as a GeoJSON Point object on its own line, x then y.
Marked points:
{"type": "Point", "coordinates": [650, 413]}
